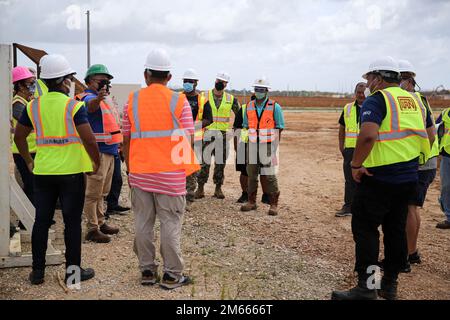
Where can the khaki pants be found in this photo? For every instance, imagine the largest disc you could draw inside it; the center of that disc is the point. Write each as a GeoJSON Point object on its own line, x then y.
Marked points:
{"type": "Point", "coordinates": [97, 188]}
{"type": "Point", "coordinates": [170, 211]}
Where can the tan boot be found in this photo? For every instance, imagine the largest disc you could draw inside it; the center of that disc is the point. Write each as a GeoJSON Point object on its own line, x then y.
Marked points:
{"type": "Point", "coordinates": [218, 193]}
{"type": "Point", "coordinates": [273, 211]}
{"type": "Point", "coordinates": [200, 193]}
{"type": "Point", "coordinates": [97, 236]}
{"type": "Point", "coordinates": [251, 204]}
{"type": "Point", "coordinates": [110, 230]}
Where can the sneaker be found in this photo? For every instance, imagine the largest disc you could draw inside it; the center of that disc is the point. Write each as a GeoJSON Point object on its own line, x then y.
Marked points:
{"type": "Point", "coordinates": [344, 212]}
{"type": "Point", "coordinates": [85, 275]}
{"type": "Point", "coordinates": [37, 277]}
{"type": "Point", "coordinates": [415, 258]}
{"type": "Point", "coordinates": [243, 198]}
{"type": "Point", "coordinates": [444, 225]}
{"type": "Point", "coordinates": [119, 210]}
{"type": "Point", "coordinates": [170, 283]}
{"type": "Point", "coordinates": [149, 278]}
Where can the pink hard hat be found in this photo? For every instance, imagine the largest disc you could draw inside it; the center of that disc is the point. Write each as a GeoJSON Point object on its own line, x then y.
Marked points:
{"type": "Point", "coordinates": [21, 73]}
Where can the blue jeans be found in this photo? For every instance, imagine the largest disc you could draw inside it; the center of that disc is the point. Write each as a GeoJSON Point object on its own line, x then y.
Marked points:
{"type": "Point", "coordinates": [445, 186]}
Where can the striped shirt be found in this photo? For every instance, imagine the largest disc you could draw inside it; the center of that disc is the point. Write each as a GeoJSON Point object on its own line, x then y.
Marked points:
{"type": "Point", "coordinates": [167, 183]}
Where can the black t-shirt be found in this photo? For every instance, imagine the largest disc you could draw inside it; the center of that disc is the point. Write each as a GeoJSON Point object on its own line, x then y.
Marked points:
{"type": "Point", "coordinates": [238, 120]}
{"type": "Point", "coordinates": [207, 112]}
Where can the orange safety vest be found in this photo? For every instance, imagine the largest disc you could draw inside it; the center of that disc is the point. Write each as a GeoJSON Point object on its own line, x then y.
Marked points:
{"type": "Point", "coordinates": [158, 142]}
{"type": "Point", "coordinates": [111, 130]}
{"type": "Point", "coordinates": [261, 127]}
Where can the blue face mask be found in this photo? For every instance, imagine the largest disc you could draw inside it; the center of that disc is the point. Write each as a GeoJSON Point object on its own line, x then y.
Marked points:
{"type": "Point", "coordinates": [188, 87]}
{"type": "Point", "coordinates": [260, 95]}
{"type": "Point", "coordinates": [32, 88]}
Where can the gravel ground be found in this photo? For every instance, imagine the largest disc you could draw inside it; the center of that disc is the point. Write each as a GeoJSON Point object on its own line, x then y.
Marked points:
{"type": "Point", "coordinates": [304, 253]}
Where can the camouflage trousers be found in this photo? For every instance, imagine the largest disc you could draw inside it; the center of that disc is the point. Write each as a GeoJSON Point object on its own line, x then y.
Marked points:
{"type": "Point", "coordinates": [220, 160]}
{"type": "Point", "coordinates": [191, 185]}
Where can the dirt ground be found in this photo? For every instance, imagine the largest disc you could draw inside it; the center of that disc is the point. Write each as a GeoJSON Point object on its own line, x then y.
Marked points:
{"type": "Point", "coordinates": [304, 253]}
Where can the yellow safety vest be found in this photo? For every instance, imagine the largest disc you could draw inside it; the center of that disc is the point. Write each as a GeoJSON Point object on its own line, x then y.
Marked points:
{"type": "Point", "coordinates": [221, 115]}
{"type": "Point", "coordinates": [244, 131]}
{"type": "Point", "coordinates": [435, 149]}
{"type": "Point", "coordinates": [198, 135]}
{"type": "Point", "coordinates": [445, 141]}
{"type": "Point", "coordinates": [31, 139]}
{"type": "Point", "coordinates": [59, 148]}
{"type": "Point", "coordinates": [402, 136]}
{"type": "Point", "coordinates": [351, 125]}
{"type": "Point", "coordinates": [41, 89]}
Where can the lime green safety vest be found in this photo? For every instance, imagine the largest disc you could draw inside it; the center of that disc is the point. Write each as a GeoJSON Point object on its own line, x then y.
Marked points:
{"type": "Point", "coordinates": [351, 125]}
{"type": "Point", "coordinates": [244, 131]}
{"type": "Point", "coordinates": [221, 115]}
{"type": "Point", "coordinates": [445, 141]}
{"type": "Point", "coordinates": [41, 89]}
{"type": "Point", "coordinates": [402, 136]}
{"type": "Point", "coordinates": [198, 135]}
{"type": "Point", "coordinates": [31, 139]}
{"type": "Point", "coordinates": [59, 148]}
{"type": "Point", "coordinates": [435, 148]}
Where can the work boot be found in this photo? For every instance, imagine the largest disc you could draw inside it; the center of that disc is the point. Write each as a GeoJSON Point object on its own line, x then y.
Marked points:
{"type": "Point", "coordinates": [273, 211]}
{"type": "Point", "coordinates": [243, 198]}
{"type": "Point", "coordinates": [218, 193]}
{"type": "Point", "coordinates": [200, 193]}
{"type": "Point", "coordinates": [97, 236]}
{"type": "Point", "coordinates": [85, 275]}
{"type": "Point", "coordinates": [37, 277]}
{"type": "Point", "coordinates": [251, 204]}
{"type": "Point", "coordinates": [360, 292]}
{"type": "Point", "coordinates": [265, 198]}
{"type": "Point", "coordinates": [109, 230]}
{"type": "Point", "coordinates": [388, 289]}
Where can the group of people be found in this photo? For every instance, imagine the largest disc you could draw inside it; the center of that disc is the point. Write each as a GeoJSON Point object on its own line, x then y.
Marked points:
{"type": "Point", "coordinates": [71, 150]}
{"type": "Point", "coordinates": [390, 144]}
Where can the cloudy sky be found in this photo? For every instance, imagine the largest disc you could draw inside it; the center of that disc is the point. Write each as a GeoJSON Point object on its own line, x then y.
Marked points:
{"type": "Point", "coordinates": [300, 45]}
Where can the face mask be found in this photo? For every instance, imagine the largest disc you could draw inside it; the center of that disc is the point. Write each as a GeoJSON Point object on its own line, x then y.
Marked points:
{"type": "Point", "coordinates": [260, 95]}
{"type": "Point", "coordinates": [188, 87]}
{"type": "Point", "coordinates": [220, 86]}
{"type": "Point", "coordinates": [32, 88]}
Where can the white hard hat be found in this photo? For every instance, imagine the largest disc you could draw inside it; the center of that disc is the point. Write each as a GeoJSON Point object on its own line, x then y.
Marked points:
{"type": "Point", "coordinates": [190, 74]}
{"type": "Point", "coordinates": [261, 83]}
{"type": "Point", "coordinates": [383, 64]}
{"type": "Point", "coordinates": [407, 67]}
{"type": "Point", "coordinates": [223, 76]}
{"type": "Point", "coordinates": [158, 60]}
{"type": "Point", "coordinates": [54, 66]}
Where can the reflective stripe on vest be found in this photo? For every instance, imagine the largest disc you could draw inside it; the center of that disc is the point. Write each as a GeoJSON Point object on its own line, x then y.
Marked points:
{"type": "Point", "coordinates": [402, 135]}
{"type": "Point", "coordinates": [175, 132]}
{"type": "Point", "coordinates": [71, 136]}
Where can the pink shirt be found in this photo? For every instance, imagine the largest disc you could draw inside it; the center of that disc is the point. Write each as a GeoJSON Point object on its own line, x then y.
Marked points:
{"type": "Point", "coordinates": [167, 183]}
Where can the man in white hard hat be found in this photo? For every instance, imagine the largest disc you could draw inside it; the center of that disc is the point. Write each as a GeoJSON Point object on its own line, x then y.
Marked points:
{"type": "Point", "coordinates": [221, 104]}
{"type": "Point", "coordinates": [427, 172]}
{"type": "Point", "coordinates": [391, 120]}
{"type": "Point", "coordinates": [156, 122]}
{"type": "Point", "coordinates": [348, 134]}
{"type": "Point", "coordinates": [66, 149]}
{"type": "Point", "coordinates": [265, 121]}
{"type": "Point", "coordinates": [202, 116]}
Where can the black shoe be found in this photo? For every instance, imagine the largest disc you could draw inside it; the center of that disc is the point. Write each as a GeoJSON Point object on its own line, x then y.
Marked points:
{"type": "Point", "coordinates": [405, 269]}
{"type": "Point", "coordinates": [415, 258]}
{"type": "Point", "coordinates": [149, 278]}
{"type": "Point", "coordinates": [170, 283]}
{"type": "Point", "coordinates": [37, 277]}
{"type": "Point", "coordinates": [265, 198]}
{"type": "Point", "coordinates": [388, 289]}
{"type": "Point", "coordinates": [243, 198]}
{"type": "Point", "coordinates": [85, 275]}
{"type": "Point", "coordinates": [344, 212]}
{"type": "Point", "coordinates": [356, 293]}
{"type": "Point", "coordinates": [119, 210]}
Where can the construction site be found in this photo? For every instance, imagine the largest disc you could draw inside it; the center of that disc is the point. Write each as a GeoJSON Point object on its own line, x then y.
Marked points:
{"type": "Point", "coordinates": [303, 252]}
